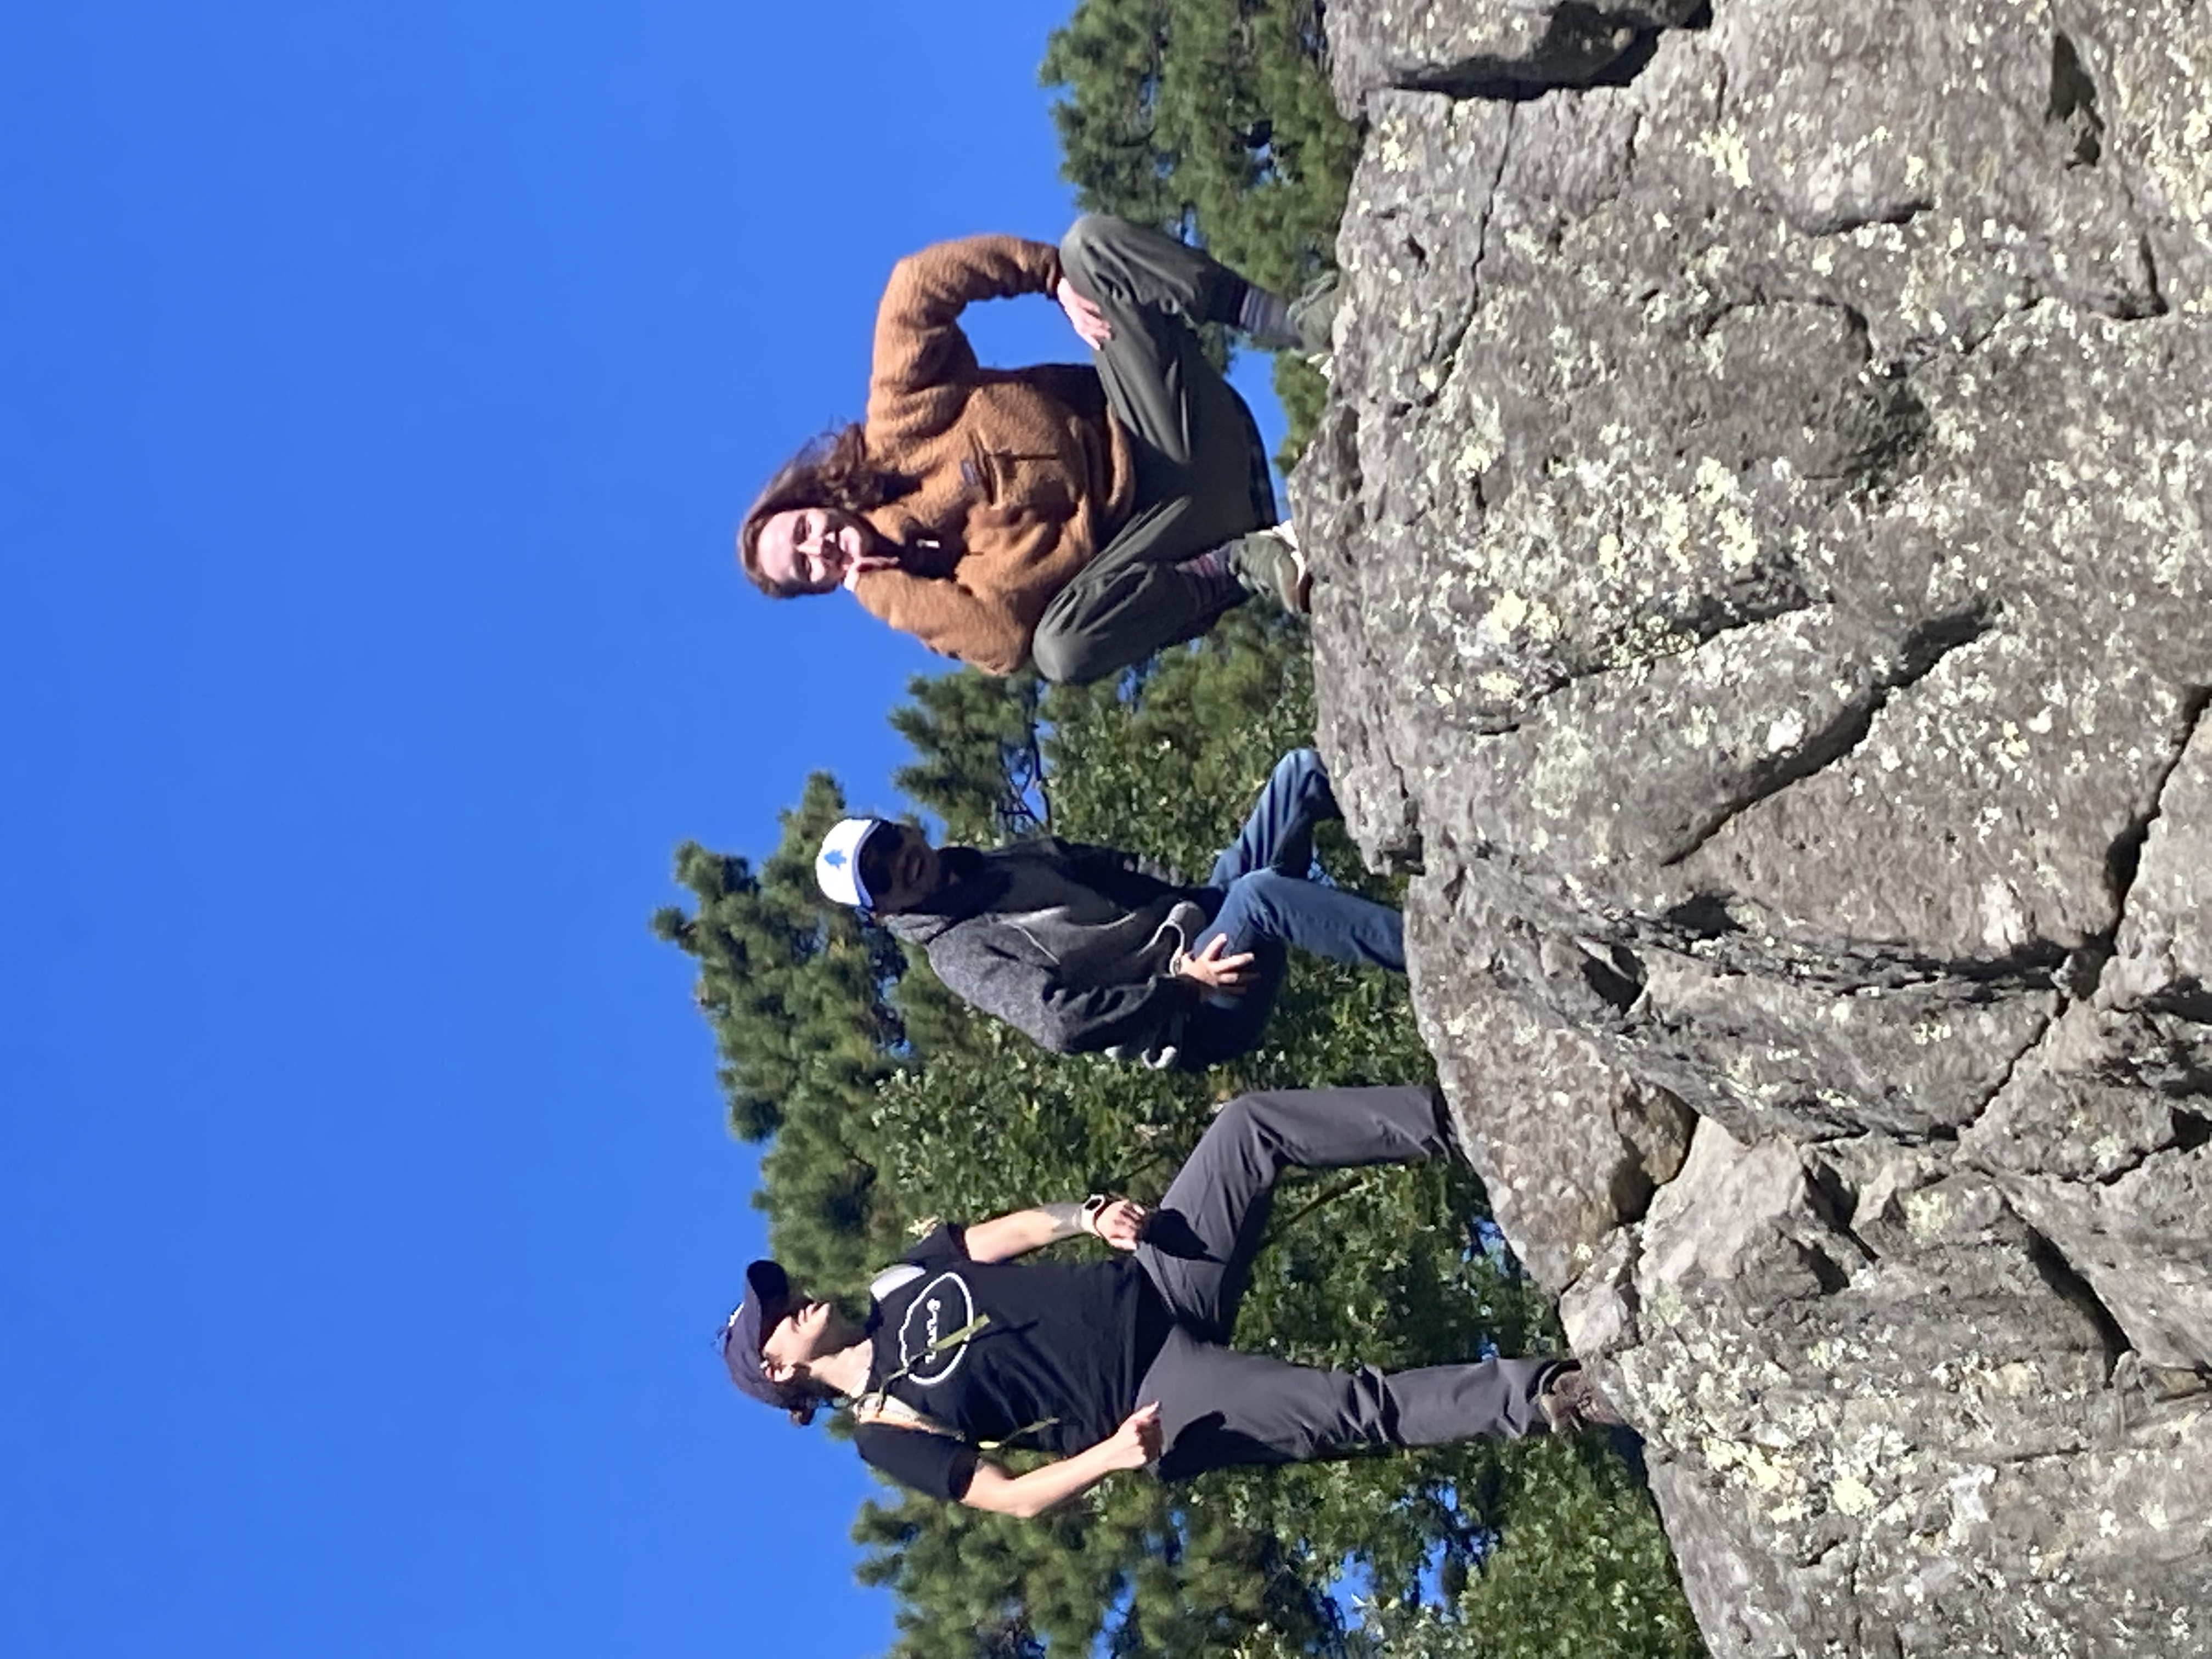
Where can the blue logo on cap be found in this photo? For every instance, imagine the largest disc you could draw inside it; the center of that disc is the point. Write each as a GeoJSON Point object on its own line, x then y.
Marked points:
{"type": "Point", "coordinates": [835, 858]}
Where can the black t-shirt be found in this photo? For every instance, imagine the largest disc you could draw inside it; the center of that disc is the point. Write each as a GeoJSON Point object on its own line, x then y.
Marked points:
{"type": "Point", "coordinates": [1045, 1357]}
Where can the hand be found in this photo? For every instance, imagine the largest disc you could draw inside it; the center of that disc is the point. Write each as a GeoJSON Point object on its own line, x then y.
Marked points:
{"type": "Point", "coordinates": [1136, 1442]}
{"type": "Point", "coordinates": [1090, 322]}
{"type": "Point", "coordinates": [868, 562]}
{"type": "Point", "coordinates": [1211, 966]}
{"type": "Point", "coordinates": [1120, 1223]}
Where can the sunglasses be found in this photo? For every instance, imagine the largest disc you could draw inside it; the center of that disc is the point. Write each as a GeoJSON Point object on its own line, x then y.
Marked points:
{"type": "Point", "coordinates": [876, 856]}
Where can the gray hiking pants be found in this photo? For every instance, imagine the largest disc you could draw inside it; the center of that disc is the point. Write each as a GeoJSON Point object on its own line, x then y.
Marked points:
{"type": "Point", "coordinates": [1218, 1407]}
{"type": "Point", "coordinates": [1201, 472]}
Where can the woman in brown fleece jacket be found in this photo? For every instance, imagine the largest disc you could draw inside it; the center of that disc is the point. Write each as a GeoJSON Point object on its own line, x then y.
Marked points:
{"type": "Point", "coordinates": [1075, 518]}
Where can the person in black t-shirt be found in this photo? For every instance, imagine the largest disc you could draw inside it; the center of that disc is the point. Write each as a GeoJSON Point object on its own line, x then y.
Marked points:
{"type": "Point", "coordinates": [1120, 1363]}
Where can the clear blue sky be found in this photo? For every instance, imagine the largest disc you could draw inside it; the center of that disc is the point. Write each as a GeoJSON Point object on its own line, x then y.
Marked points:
{"type": "Point", "coordinates": [382, 385]}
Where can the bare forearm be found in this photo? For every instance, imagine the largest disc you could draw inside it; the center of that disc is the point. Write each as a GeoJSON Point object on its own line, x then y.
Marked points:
{"type": "Point", "coordinates": [1006, 1237]}
{"type": "Point", "coordinates": [1044, 1488]}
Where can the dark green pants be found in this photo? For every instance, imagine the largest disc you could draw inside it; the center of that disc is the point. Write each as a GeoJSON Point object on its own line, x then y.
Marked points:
{"type": "Point", "coordinates": [1201, 474]}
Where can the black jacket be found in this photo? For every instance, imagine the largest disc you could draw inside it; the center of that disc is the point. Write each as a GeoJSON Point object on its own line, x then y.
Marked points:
{"type": "Point", "coordinates": [1069, 944]}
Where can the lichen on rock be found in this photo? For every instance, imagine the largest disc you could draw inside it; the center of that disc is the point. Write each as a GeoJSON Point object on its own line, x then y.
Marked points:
{"type": "Point", "coordinates": [1763, 519]}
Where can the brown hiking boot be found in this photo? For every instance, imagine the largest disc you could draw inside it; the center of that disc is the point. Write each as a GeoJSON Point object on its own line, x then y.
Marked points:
{"type": "Point", "coordinates": [1571, 1402]}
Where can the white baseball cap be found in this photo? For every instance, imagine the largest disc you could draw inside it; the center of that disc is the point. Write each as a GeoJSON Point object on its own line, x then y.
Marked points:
{"type": "Point", "coordinates": [837, 866]}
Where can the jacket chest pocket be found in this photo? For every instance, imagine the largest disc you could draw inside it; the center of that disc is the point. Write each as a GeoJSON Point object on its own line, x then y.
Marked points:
{"type": "Point", "coordinates": [979, 476]}
{"type": "Point", "coordinates": [1012, 478]}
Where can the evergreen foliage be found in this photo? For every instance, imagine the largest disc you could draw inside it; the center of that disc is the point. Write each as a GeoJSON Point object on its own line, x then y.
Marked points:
{"type": "Point", "coordinates": [887, 1103]}
{"type": "Point", "coordinates": [1212, 119]}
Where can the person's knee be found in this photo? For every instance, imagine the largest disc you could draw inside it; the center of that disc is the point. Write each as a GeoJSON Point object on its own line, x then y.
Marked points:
{"type": "Point", "coordinates": [1066, 657]}
{"type": "Point", "coordinates": [1256, 892]}
{"type": "Point", "coordinates": [1236, 1121]}
{"type": "Point", "coordinates": [1302, 773]}
{"type": "Point", "coordinates": [1251, 913]}
{"type": "Point", "coordinates": [1252, 1122]}
{"type": "Point", "coordinates": [1080, 247]}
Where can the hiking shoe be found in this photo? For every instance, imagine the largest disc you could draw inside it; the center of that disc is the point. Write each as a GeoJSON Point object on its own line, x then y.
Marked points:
{"type": "Point", "coordinates": [1571, 1402]}
{"type": "Point", "coordinates": [1269, 561]}
{"type": "Point", "coordinates": [1313, 315]}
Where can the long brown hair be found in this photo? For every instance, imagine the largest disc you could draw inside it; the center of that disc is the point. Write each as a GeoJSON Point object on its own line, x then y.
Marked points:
{"type": "Point", "coordinates": [832, 469]}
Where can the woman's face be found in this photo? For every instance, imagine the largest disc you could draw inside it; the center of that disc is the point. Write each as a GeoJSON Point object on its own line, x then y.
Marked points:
{"type": "Point", "coordinates": [808, 1332]}
{"type": "Point", "coordinates": [810, 549]}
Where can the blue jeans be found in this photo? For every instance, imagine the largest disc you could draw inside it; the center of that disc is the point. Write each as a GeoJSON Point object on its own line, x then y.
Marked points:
{"type": "Point", "coordinates": [1270, 903]}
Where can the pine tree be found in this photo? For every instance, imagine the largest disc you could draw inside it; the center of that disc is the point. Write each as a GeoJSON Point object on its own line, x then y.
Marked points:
{"type": "Point", "coordinates": [1213, 120]}
{"type": "Point", "coordinates": [888, 1103]}
{"type": "Point", "coordinates": [1112, 55]}
{"type": "Point", "coordinates": [797, 992]}
{"type": "Point", "coordinates": [977, 762]}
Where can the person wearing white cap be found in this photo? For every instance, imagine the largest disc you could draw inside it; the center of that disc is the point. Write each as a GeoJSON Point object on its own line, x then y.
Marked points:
{"type": "Point", "coordinates": [1085, 951]}
{"type": "Point", "coordinates": [837, 866]}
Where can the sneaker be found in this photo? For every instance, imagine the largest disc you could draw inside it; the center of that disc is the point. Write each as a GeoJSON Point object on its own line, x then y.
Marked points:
{"type": "Point", "coordinates": [1269, 561]}
{"type": "Point", "coordinates": [1313, 315]}
{"type": "Point", "coordinates": [1571, 1402]}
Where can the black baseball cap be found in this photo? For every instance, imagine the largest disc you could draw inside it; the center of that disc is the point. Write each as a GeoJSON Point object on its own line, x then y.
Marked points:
{"type": "Point", "coordinates": [767, 1298]}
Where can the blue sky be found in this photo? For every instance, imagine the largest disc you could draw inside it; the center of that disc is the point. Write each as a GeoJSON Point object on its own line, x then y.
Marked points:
{"type": "Point", "coordinates": [382, 387]}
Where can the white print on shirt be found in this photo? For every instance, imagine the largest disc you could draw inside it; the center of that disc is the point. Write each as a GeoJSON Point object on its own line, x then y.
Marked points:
{"type": "Point", "coordinates": [943, 1307]}
{"type": "Point", "coordinates": [890, 1278]}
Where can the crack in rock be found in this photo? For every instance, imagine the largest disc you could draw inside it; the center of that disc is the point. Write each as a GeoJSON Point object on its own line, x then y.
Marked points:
{"type": "Point", "coordinates": [2125, 862]}
{"type": "Point", "coordinates": [1815, 334]}
{"type": "Point", "coordinates": [1919, 658]}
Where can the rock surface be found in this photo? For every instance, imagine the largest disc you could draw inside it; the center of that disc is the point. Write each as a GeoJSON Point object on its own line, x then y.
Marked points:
{"type": "Point", "coordinates": [1763, 519]}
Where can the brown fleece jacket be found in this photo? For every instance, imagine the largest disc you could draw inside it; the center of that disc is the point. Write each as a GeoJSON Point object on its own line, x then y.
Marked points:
{"type": "Point", "coordinates": [1022, 474]}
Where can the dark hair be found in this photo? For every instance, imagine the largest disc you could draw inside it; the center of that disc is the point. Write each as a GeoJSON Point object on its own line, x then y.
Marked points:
{"type": "Point", "coordinates": [832, 469]}
{"type": "Point", "coordinates": [803, 1397]}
